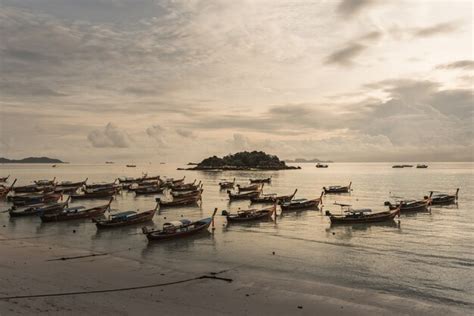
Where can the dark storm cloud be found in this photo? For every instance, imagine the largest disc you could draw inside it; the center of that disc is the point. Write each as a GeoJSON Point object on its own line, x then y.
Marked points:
{"type": "Point", "coordinates": [345, 55]}
{"type": "Point", "coordinates": [110, 136]}
{"type": "Point", "coordinates": [353, 7]}
{"type": "Point", "coordinates": [460, 64]}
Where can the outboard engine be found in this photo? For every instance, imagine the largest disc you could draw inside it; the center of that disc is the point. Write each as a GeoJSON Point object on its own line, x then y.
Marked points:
{"type": "Point", "coordinates": [225, 213]}
{"type": "Point", "coordinates": [387, 203]}
{"type": "Point", "coordinates": [328, 213]}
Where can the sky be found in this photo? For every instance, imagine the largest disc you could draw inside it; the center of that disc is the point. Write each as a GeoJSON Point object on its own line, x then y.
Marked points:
{"type": "Point", "coordinates": [153, 80]}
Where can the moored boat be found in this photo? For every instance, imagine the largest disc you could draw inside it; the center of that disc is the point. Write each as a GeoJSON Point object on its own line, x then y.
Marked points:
{"type": "Point", "coordinates": [76, 212]}
{"type": "Point", "coordinates": [4, 179]}
{"type": "Point", "coordinates": [421, 166]}
{"type": "Point", "coordinates": [253, 187]}
{"type": "Point", "coordinates": [273, 197]}
{"type": "Point", "coordinates": [29, 199]}
{"type": "Point", "coordinates": [125, 218]}
{"type": "Point", "coordinates": [4, 190]}
{"type": "Point", "coordinates": [301, 204]}
{"type": "Point", "coordinates": [250, 215]}
{"type": "Point", "coordinates": [180, 201]}
{"type": "Point", "coordinates": [320, 165]}
{"type": "Point", "coordinates": [224, 184]}
{"type": "Point", "coordinates": [360, 216]}
{"type": "Point", "coordinates": [94, 194]}
{"type": "Point", "coordinates": [335, 189]}
{"type": "Point", "coordinates": [36, 209]}
{"type": "Point", "coordinates": [409, 205]}
{"type": "Point", "coordinates": [243, 196]}
{"type": "Point", "coordinates": [442, 198]}
{"type": "Point", "coordinates": [179, 229]}
{"type": "Point", "coordinates": [264, 180]}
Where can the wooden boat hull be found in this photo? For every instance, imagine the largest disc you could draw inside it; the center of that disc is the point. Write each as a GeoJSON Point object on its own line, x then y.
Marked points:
{"type": "Point", "coordinates": [421, 206]}
{"type": "Point", "coordinates": [179, 202]}
{"type": "Point", "coordinates": [139, 218]}
{"type": "Point", "coordinates": [93, 195]}
{"type": "Point", "coordinates": [148, 191]}
{"type": "Point", "coordinates": [259, 215]}
{"type": "Point", "coordinates": [372, 218]}
{"type": "Point", "coordinates": [33, 211]}
{"type": "Point", "coordinates": [89, 213]}
{"type": "Point", "coordinates": [160, 236]}
{"type": "Point", "coordinates": [243, 196]}
{"type": "Point", "coordinates": [300, 206]}
{"type": "Point", "coordinates": [258, 181]}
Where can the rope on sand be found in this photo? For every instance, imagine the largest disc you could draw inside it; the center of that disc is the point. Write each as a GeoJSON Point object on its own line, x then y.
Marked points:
{"type": "Point", "coordinates": [212, 277]}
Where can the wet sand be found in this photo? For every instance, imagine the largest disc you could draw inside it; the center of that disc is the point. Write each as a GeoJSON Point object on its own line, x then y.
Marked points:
{"type": "Point", "coordinates": [25, 269]}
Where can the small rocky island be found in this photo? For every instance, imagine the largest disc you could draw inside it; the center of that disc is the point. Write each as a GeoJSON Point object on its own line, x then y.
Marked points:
{"type": "Point", "coordinates": [31, 160]}
{"type": "Point", "coordinates": [255, 160]}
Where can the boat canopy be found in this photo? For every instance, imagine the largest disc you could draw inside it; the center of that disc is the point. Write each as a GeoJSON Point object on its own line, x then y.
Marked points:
{"type": "Point", "coordinates": [123, 214]}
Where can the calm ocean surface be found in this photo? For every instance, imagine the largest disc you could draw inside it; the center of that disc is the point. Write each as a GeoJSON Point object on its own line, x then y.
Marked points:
{"type": "Point", "coordinates": [429, 256]}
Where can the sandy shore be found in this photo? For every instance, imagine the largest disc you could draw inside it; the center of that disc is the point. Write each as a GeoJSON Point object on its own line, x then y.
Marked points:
{"type": "Point", "coordinates": [26, 269]}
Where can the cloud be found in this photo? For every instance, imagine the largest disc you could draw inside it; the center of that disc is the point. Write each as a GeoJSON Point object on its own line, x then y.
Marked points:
{"type": "Point", "coordinates": [460, 64]}
{"type": "Point", "coordinates": [352, 7]}
{"type": "Point", "coordinates": [110, 136]}
{"type": "Point", "coordinates": [440, 28]}
{"type": "Point", "coordinates": [345, 55]}
{"type": "Point", "coordinates": [157, 132]}
{"type": "Point", "coordinates": [185, 133]}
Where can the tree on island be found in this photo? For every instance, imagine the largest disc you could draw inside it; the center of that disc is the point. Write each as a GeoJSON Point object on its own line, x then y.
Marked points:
{"type": "Point", "coordinates": [244, 160]}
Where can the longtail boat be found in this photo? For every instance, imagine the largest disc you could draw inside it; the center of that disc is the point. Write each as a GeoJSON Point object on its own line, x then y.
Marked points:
{"type": "Point", "coordinates": [253, 187]}
{"type": "Point", "coordinates": [175, 182]}
{"type": "Point", "coordinates": [45, 182]}
{"type": "Point", "coordinates": [130, 180]}
{"type": "Point", "coordinates": [95, 194]}
{"type": "Point", "coordinates": [182, 194]}
{"type": "Point", "coordinates": [36, 209]}
{"type": "Point", "coordinates": [186, 186]}
{"type": "Point", "coordinates": [23, 200]}
{"type": "Point", "coordinates": [335, 189]}
{"type": "Point", "coordinates": [70, 184]}
{"type": "Point", "coordinates": [265, 180]}
{"type": "Point", "coordinates": [77, 212]}
{"type": "Point", "coordinates": [31, 188]}
{"type": "Point", "coordinates": [243, 196]}
{"type": "Point", "coordinates": [442, 198]}
{"type": "Point", "coordinates": [300, 204]}
{"type": "Point", "coordinates": [101, 185]}
{"type": "Point", "coordinates": [320, 165]}
{"type": "Point", "coordinates": [177, 202]}
{"type": "Point", "coordinates": [179, 229]}
{"type": "Point", "coordinates": [356, 216]}
{"type": "Point", "coordinates": [250, 215]}
{"type": "Point", "coordinates": [224, 184]}
{"type": "Point", "coordinates": [421, 166]}
{"type": "Point", "coordinates": [273, 197]}
{"type": "Point", "coordinates": [151, 189]}
{"type": "Point", "coordinates": [4, 190]}
{"type": "Point", "coordinates": [125, 218]}
{"type": "Point", "coordinates": [407, 206]}
{"type": "Point", "coordinates": [4, 179]}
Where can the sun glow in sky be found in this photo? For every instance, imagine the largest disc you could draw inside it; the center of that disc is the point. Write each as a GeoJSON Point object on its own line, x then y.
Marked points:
{"type": "Point", "coordinates": [352, 80]}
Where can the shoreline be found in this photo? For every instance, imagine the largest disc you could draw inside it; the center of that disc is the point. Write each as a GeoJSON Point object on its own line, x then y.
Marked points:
{"type": "Point", "coordinates": [26, 268]}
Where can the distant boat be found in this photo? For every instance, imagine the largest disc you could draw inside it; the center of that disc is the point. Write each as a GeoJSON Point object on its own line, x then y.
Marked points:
{"type": "Point", "coordinates": [398, 166]}
{"type": "Point", "coordinates": [131, 166]}
{"type": "Point", "coordinates": [421, 166]}
{"type": "Point", "coordinates": [162, 163]}
{"type": "Point", "coordinates": [54, 166]}
{"type": "Point", "coordinates": [109, 162]}
{"type": "Point", "coordinates": [320, 165]}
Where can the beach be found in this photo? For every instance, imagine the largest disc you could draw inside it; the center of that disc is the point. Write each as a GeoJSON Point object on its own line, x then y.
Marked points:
{"type": "Point", "coordinates": [26, 269]}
